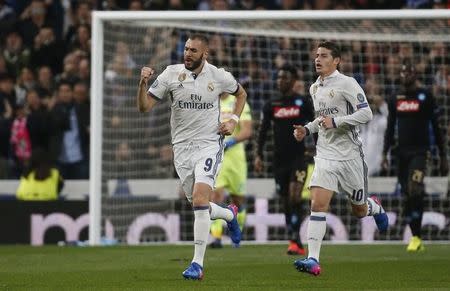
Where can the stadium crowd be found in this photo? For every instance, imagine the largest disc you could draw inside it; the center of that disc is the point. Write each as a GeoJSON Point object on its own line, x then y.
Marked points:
{"type": "Point", "coordinates": [45, 74]}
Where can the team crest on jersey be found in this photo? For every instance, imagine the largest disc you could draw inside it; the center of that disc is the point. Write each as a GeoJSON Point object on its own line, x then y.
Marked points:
{"type": "Point", "coordinates": [210, 87]}
{"type": "Point", "coordinates": [331, 93]}
{"type": "Point", "coordinates": [360, 97]}
{"type": "Point", "coordinates": [298, 102]}
{"type": "Point", "coordinates": [422, 97]}
{"type": "Point", "coordinates": [182, 77]}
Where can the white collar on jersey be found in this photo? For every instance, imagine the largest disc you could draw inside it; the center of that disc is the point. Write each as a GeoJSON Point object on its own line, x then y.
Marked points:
{"type": "Point", "coordinates": [334, 74]}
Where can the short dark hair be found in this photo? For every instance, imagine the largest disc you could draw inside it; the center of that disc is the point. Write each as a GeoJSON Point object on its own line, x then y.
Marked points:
{"type": "Point", "coordinates": [201, 37]}
{"type": "Point", "coordinates": [290, 69]}
{"type": "Point", "coordinates": [333, 47]}
{"type": "Point", "coordinates": [408, 65]}
{"type": "Point", "coordinates": [65, 83]}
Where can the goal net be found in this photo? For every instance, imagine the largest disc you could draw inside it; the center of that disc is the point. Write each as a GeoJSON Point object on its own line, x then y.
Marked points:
{"type": "Point", "coordinates": [134, 195]}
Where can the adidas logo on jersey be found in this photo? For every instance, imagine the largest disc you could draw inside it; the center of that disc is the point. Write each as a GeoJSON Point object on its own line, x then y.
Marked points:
{"type": "Point", "coordinates": [408, 106]}
{"type": "Point", "coordinates": [286, 112]}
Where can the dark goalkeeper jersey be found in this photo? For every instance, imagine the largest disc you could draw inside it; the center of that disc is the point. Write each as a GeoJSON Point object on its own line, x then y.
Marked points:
{"type": "Point", "coordinates": [413, 115]}
{"type": "Point", "coordinates": [282, 114]}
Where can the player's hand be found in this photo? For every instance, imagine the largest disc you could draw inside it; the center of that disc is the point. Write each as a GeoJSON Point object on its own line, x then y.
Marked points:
{"type": "Point", "coordinates": [299, 132]}
{"type": "Point", "coordinates": [327, 122]}
{"type": "Point", "coordinates": [384, 163]}
{"type": "Point", "coordinates": [227, 127]}
{"type": "Point", "coordinates": [146, 74]}
{"type": "Point", "coordinates": [258, 164]}
{"type": "Point", "coordinates": [443, 167]}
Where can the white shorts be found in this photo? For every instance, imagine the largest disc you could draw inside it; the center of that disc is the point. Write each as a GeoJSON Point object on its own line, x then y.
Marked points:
{"type": "Point", "coordinates": [349, 177]}
{"type": "Point", "coordinates": [197, 162]}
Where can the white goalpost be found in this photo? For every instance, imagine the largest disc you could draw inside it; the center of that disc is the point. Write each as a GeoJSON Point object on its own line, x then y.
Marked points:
{"type": "Point", "coordinates": [131, 172]}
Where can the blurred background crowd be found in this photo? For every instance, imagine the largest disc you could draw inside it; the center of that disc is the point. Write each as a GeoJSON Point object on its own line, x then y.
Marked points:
{"type": "Point", "coordinates": [45, 75]}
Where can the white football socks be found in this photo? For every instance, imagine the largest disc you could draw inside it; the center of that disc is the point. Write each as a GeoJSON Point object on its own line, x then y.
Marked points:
{"type": "Point", "coordinates": [317, 227]}
{"type": "Point", "coordinates": [220, 212]}
{"type": "Point", "coordinates": [202, 223]}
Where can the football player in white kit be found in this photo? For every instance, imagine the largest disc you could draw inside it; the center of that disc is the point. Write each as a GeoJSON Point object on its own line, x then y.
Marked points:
{"type": "Point", "coordinates": [340, 105]}
{"type": "Point", "coordinates": [197, 134]}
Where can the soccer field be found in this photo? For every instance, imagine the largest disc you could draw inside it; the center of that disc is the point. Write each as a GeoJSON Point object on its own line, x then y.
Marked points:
{"type": "Point", "coordinates": [262, 267]}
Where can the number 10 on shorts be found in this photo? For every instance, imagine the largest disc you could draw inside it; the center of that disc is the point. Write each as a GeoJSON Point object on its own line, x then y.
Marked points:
{"type": "Point", "coordinates": [357, 195]}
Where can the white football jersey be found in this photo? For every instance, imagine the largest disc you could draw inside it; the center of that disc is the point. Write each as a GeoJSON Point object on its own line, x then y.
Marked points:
{"type": "Point", "coordinates": [195, 112]}
{"type": "Point", "coordinates": [340, 97]}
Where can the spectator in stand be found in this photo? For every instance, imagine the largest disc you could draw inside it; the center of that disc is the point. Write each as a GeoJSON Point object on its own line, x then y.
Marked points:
{"type": "Point", "coordinates": [47, 51]}
{"type": "Point", "coordinates": [7, 18]}
{"type": "Point", "coordinates": [45, 85]}
{"type": "Point", "coordinates": [38, 121]}
{"type": "Point", "coordinates": [123, 156]}
{"type": "Point", "coordinates": [15, 54]}
{"type": "Point", "coordinates": [391, 73]}
{"type": "Point", "coordinates": [84, 71]}
{"type": "Point", "coordinates": [405, 52]}
{"type": "Point", "coordinates": [81, 93]}
{"type": "Point", "coordinates": [69, 143]}
{"type": "Point", "coordinates": [123, 52]}
{"type": "Point", "coordinates": [249, 5]}
{"type": "Point", "coordinates": [440, 4]}
{"type": "Point", "coordinates": [32, 20]}
{"type": "Point", "coordinates": [41, 181]}
{"type": "Point", "coordinates": [135, 5]}
{"type": "Point", "coordinates": [113, 5]}
{"type": "Point", "coordinates": [437, 58]}
{"type": "Point", "coordinates": [347, 67]}
{"type": "Point", "coordinates": [372, 58]}
{"type": "Point", "coordinates": [219, 5]}
{"type": "Point", "coordinates": [257, 85]}
{"type": "Point", "coordinates": [372, 133]}
{"type": "Point", "coordinates": [217, 51]}
{"type": "Point", "coordinates": [81, 14]}
{"type": "Point", "coordinates": [293, 4]}
{"type": "Point", "coordinates": [82, 40]}
{"type": "Point", "coordinates": [7, 89]}
{"type": "Point", "coordinates": [3, 68]}
{"type": "Point", "coordinates": [25, 82]}
{"type": "Point", "coordinates": [6, 113]}
{"type": "Point", "coordinates": [70, 72]}
{"type": "Point", "coordinates": [20, 139]}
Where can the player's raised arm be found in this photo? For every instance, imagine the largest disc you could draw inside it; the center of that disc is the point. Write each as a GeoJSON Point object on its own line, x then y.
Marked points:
{"type": "Point", "coordinates": [144, 103]}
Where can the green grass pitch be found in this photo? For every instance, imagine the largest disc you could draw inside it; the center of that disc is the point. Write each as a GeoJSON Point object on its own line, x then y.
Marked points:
{"type": "Point", "coordinates": [251, 267]}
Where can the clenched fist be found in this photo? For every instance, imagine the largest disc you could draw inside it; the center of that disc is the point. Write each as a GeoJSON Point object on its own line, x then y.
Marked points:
{"type": "Point", "coordinates": [299, 132]}
{"type": "Point", "coordinates": [146, 74]}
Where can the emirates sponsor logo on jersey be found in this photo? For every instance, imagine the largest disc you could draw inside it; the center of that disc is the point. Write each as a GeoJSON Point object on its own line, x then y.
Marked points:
{"type": "Point", "coordinates": [407, 105]}
{"type": "Point", "coordinates": [286, 112]}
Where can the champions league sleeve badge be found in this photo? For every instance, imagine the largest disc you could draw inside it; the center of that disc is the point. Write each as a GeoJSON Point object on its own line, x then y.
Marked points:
{"type": "Point", "coordinates": [360, 97]}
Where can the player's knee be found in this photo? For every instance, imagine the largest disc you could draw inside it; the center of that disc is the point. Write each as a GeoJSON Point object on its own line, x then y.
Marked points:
{"type": "Point", "coordinates": [359, 211]}
{"type": "Point", "coordinates": [319, 206]}
{"type": "Point", "coordinates": [200, 198]}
